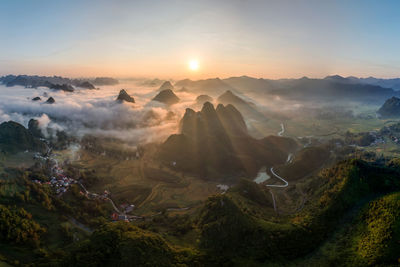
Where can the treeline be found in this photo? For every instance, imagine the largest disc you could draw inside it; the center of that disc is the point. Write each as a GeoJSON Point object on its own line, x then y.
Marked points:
{"type": "Point", "coordinates": [122, 244]}
{"type": "Point", "coordinates": [17, 226]}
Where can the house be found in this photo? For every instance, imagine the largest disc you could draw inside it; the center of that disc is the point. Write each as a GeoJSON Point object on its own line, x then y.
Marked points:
{"type": "Point", "coordinates": [129, 208]}
{"type": "Point", "coordinates": [123, 218]}
{"type": "Point", "coordinates": [114, 216]}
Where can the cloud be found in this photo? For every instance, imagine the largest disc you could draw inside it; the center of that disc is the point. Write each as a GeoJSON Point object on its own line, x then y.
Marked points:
{"type": "Point", "coordinates": [94, 112]}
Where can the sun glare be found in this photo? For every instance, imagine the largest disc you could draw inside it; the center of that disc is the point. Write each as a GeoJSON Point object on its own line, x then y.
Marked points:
{"type": "Point", "coordinates": [193, 65]}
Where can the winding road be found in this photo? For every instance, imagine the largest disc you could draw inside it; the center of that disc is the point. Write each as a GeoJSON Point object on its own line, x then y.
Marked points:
{"type": "Point", "coordinates": [289, 160]}
{"type": "Point", "coordinates": [280, 178]}
{"type": "Point", "coordinates": [282, 130]}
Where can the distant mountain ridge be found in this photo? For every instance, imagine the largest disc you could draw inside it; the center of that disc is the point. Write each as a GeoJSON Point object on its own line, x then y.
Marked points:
{"type": "Point", "coordinates": [330, 88]}
{"type": "Point", "coordinates": [393, 83]}
{"type": "Point", "coordinates": [55, 82]}
{"type": "Point", "coordinates": [211, 87]}
{"type": "Point", "coordinates": [248, 109]}
{"type": "Point", "coordinates": [166, 85]}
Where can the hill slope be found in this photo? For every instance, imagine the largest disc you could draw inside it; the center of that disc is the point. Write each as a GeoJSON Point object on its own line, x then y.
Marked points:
{"type": "Point", "coordinates": [215, 143]}
{"type": "Point", "coordinates": [14, 137]}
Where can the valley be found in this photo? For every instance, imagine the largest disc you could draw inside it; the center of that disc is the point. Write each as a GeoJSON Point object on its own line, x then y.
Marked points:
{"type": "Point", "coordinates": [199, 133]}
{"type": "Point", "coordinates": [213, 174]}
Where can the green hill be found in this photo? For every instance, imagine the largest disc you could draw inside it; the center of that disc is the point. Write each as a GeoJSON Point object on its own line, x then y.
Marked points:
{"type": "Point", "coordinates": [305, 162]}
{"type": "Point", "coordinates": [266, 240]}
{"type": "Point", "coordinates": [14, 138]}
{"type": "Point", "coordinates": [391, 108]}
{"type": "Point", "coordinates": [122, 244]}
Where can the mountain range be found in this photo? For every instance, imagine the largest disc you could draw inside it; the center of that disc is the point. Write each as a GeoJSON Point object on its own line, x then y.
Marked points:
{"type": "Point", "coordinates": [214, 143]}
{"type": "Point", "coordinates": [55, 82]}
{"type": "Point", "coordinates": [330, 88]}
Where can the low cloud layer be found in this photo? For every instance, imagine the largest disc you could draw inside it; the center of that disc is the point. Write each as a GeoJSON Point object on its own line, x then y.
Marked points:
{"type": "Point", "coordinates": [95, 112]}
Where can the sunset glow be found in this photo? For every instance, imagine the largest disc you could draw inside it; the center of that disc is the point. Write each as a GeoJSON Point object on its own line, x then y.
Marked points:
{"type": "Point", "coordinates": [193, 65]}
{"type": "Point", "coordinates": [274, 39]}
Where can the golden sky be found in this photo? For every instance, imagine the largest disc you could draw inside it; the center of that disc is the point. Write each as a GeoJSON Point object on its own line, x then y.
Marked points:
{"type": "Point", "coordinates": [271, 39]}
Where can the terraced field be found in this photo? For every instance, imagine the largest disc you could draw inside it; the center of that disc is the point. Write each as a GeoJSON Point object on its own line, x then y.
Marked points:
{"type": "Point", "coordinates": [147, 185]}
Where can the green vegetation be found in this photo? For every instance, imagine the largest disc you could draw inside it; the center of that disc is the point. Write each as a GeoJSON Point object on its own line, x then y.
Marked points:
{"type": "Point", "coordinates": [14, 138]}
{"type": "Point", "coordinates": [122, 244]}
{"type": "Point", "coordinates": [360, 139]}
{"type": "Point", "coordinates": [377, 239]}
{"type": "Point", "coordinates": [17, 226]}
{"type": "Point", "coordinates": [305, 163]}
{"type": "Point", "coordinates": [347, 214]}
{"type": "Point", "coordinates": [342, 187]}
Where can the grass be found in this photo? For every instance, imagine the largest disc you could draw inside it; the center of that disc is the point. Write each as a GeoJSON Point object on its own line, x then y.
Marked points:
{"type": "Point", "coordinates": [19, 160]}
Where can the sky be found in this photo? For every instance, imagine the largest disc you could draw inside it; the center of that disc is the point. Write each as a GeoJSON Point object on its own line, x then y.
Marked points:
{"type": "Point", "coordinates": [270, 39]}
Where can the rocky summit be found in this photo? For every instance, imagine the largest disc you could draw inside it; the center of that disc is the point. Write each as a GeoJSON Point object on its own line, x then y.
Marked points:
{"type": "Point", "coordinates": [167, 97]}
{"type": "Point", "coordinates": [50, 100]}
{"type": "Point", "coordinates": [214, 143]}
{"type": "Point", "coordinates": [124, 96]}
{"type": "Point", "coordinates": [166, 85]}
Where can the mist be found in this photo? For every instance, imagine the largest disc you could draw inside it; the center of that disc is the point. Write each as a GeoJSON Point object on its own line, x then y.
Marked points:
{"type": "Point", "coordinates": [96, 112]}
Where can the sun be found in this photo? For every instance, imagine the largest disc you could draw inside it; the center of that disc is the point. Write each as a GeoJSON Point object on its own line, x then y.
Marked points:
{"type": "Point", "coordinates": [193, 65]}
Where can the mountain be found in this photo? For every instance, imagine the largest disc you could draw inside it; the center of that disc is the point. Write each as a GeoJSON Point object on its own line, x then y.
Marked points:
{"type": "Point", "coordinates": [86, 85]}
{"type": "Point", "coordinates": [124, 96]}
{"type": "Point", "coordinates": [214, 143]}
{"type": "Point", "coordinates": [331, 88]}
{"type": "Point", "coordinates": [167, 97]}
{"type": "Point", "coordinates": [201, 99]}
{"type": "Point", "coordinates": [50, 100]}
{"type": "Point", "coordinates": [14, 138]}
{"type": "Point", "coordinates": [306, 161]}
{"type": "Point", "coordinates": [212, 87]}
{"type": "Point", "coordinates": [248, 109]}
{"type": "Point", "coordinates": [34, 81]}
{"type": "Point", "coordinates": [346, 199]}
{"type": "Point", "coordinates": [36, 98]}
{"type": "Point", "coordinates": [166, 86]}
{"type": "Point", "coordinates": [55, 82]}
{"type": "Point", "coordinates": [123, 244]}
{"type": "Point", "coordinates": [385, 83]}
{"type": "Point", "coordinates": [105, 81]}
{"type": "Point", "coordinates": [246, 83]}
{"type": "Point", "coordinates": [33, 127]}
{"type": "Point", "coordinates": [183, 90]}
{"type": "Point", "coordinates": [230, 98]}
{"type": "Point", "coordinates": [64, 87]}
{"type": "Point", "coordinates": [340, 79]}
{"type": "Point", "coordinates": [391, 108]}
{"type": "Point", "coordinates": [151, 83]}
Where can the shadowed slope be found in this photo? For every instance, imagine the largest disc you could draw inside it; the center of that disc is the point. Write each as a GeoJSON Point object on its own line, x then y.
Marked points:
{"type": "Point", "coordinates": [215, 143]}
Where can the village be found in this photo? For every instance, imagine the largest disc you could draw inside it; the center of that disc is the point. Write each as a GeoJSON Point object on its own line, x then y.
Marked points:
{"type": "Point", "coordinates": [61, 183]}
